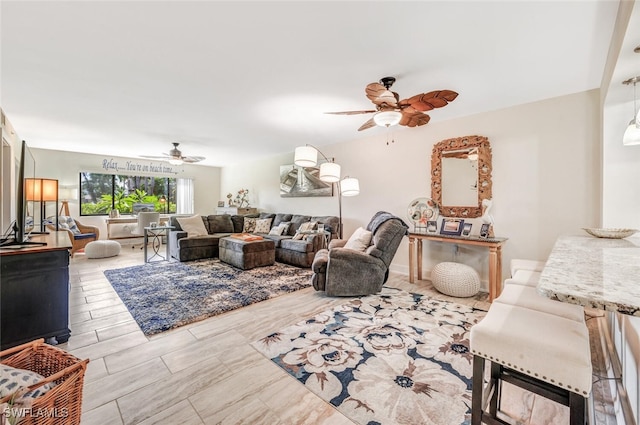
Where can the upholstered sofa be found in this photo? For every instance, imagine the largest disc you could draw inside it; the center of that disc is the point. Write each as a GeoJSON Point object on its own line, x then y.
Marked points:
{"type": "Point", "coordinates": [297, 252]}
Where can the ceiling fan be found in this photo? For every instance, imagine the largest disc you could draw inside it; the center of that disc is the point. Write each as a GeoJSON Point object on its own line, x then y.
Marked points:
{"type": "Point", "coordinates": [390, 110]}
{"type": "Point", "coordinates": [175, 157]}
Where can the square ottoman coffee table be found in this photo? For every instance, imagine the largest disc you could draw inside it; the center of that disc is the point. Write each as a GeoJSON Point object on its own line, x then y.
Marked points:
{"type": "Point", "coordinates": [247, 254]}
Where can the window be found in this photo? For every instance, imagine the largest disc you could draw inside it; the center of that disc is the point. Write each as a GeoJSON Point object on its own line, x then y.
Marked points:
{"type": "Point", "coordinates": [100, 193]}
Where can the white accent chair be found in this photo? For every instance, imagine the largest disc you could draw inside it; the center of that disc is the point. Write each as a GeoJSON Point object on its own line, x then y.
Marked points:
{"type": "Point", "coordinates": [144, 220]}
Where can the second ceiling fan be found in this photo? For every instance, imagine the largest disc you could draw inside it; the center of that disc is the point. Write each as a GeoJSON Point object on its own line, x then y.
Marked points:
{"type": "Point", "coordinates": [390, 110]}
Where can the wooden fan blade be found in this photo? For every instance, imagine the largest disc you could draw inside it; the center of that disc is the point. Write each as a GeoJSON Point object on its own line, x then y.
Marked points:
{"type": "Point", "coordinates": [414, 119]}
{"type": "Point", "coordinates": [379, 95]}
{"type": "Point", "coordinates": [374, 90]}
{"type": "Point", "coordinates": [153, 157]}
{"type": "Point", "coordinates": [352, 112]}
{"type": "Point", "coordinates": [427, 101]}
{"type": "Point", "coordinates": [370, 123]}
{"type": "Point", "coordinates": [192, 159]}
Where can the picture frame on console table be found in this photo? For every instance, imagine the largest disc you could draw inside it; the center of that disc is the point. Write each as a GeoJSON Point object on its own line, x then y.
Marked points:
{"type": "Point", "coordinates": [451, 226]}
{"type": "Point", "coordinates": [466, 229]}
{"type": "Point", "coordinates": [484, 230]}
{"type": "Point", "coordinates": [432, 226]}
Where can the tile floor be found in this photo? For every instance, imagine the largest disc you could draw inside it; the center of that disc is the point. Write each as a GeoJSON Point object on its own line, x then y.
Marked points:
{"type": "Point", "coordinates": [206, 372]}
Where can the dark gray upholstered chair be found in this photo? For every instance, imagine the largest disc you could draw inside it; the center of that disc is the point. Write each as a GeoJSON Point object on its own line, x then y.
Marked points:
{"type": "Point", "coordinates": [345, 272]}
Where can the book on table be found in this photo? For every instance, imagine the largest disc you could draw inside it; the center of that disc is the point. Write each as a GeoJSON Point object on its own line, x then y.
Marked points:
{"type": "Point", "coordinates": [247, 237]}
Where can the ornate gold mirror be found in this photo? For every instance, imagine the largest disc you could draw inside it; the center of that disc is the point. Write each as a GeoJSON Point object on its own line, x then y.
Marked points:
{"type": "Point", "coordinates": [461, 175]}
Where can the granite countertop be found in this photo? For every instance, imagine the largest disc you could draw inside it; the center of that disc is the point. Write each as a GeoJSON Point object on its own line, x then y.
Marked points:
{"type": "Point", "coordinates": [594, 272]}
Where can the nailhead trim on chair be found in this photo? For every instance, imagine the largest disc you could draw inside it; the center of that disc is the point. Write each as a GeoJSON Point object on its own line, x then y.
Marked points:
{"type": "Point", "coordinates": [528, 372]}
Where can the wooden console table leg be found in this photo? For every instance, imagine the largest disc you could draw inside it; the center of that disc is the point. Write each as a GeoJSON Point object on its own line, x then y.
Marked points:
{"type": "Point", "coordinates": [495, 272]}
{"type": "Point", "coordinates": [419, 259]}
{"type": "Point", "coordinates": [412, 242]}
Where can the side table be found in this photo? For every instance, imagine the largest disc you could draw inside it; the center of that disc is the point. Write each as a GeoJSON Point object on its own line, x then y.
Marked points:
{"type": "Point", "coordinates": [156, 233]}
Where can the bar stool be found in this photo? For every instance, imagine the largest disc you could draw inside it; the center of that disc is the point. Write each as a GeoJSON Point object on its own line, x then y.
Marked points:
{"type": "Point", "coordinates": [530, 265]}
{"type": "Point", "coordinates": [541, 352]}
{"type": "Point", "coordinates": [524, 277]}
{"type": "Point", "coordinates": [528, 297]}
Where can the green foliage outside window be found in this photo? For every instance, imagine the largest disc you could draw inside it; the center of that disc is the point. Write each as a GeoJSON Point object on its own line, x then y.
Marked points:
{"type": "Point", "coordinates": [100, 193]}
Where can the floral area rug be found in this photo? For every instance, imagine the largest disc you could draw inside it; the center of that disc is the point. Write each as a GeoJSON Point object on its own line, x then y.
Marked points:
{"type": "Point", "coordinates": [391, 358]}
{"type": "Point", "coordinates": [166, 295]}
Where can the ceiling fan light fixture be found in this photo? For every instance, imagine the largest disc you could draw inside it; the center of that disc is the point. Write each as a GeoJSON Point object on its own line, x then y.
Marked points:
{"type": "Point", "coordinates": [330, 172]}
{"type": "Point", "coordinates": [350, 186]}
{"type": "Point", "coordinates": [175, 161]}
{"type": "Point", "coordinates": [305, 156]}
{"type": "Point", "coordinates": [387, 118]}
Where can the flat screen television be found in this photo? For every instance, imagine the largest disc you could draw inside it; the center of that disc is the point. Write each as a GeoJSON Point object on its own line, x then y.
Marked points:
{"type": "Point", "coordinates": [24, 223]}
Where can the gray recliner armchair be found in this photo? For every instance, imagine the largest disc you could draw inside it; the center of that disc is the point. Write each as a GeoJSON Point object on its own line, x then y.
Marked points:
{"type": "Point", "coordinates": [346, 272]}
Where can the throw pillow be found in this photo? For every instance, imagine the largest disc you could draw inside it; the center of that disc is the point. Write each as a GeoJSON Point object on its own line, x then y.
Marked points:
{"type": "Point", "coordinates": [220, 223]}
{"type": "Point", "coordinates": [305, 227]}
{"type": "Point", "coordinates": [13, 379]}
{"type": "Point", "coordinates": [194, 226]}
{"type": "Point", "coordinates": [277, 230]}
{"type": "Point", "coordinates": [286, 225]}
{"type": "Point", "coordinates": [263, 225]}
{"type": "Point", "coordinates": [249, 225]}
{"type": "Point", "coordinates": [360, 240]}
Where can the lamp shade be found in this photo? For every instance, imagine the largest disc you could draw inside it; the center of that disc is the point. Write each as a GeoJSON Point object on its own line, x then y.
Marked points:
{"type": "Point", "coordinates": [39, 190]}
{"type": "Point", "coordinates": [305, 156]}
{"type": "Point", "coordinates": [33, 188]}
{"type": "Point", "coordinates": [67, 193]}
{"type": "Point", "coordinates": [329, 172]}
{"type": "Point", "coordinates": [49, 190]}
{"type": "Point", "coordinates": [350, 186]}
{"type": "Point", "coordinates": [387, 118]}
{"type": "Point", "coordinates": [632, 134]}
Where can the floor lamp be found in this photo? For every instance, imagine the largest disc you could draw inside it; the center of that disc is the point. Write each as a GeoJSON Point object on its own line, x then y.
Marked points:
{"type": "Point", "coordinates": [65, 194]}
{"type": "Point", "coordinates": [307, 156]}
{"type": "Point", "coordinates": [43, 191]}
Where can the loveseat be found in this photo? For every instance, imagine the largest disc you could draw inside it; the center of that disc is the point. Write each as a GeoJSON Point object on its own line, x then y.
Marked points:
{"type": "Point", "coordinates": [289, 249]}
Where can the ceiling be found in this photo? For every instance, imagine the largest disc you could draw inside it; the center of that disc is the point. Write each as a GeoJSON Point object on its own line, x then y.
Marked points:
{"type": "Point", "coordinates": [236, 81]}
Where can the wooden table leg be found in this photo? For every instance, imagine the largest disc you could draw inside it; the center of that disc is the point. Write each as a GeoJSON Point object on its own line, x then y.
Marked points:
{"type": "Point", "coordinates": [495, 272]}
{"type": "Point", "coordinates": [412, 242]}
{"type": "Point", "coordinates": [419, 259]}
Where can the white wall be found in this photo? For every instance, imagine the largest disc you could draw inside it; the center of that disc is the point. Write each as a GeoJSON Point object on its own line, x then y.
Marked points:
{"type": "Point", "coordinates": [66, 168]}
{"type": "Point", "coordinates": [546, 176]}
{"type": "Point", "coordinates": [621, 176]}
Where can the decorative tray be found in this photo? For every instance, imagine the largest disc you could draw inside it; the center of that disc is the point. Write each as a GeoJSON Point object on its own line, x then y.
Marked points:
{"type": "Point", "coordinates": [422, 210]}
{"type": "Point", "coordinates": [610, 233]}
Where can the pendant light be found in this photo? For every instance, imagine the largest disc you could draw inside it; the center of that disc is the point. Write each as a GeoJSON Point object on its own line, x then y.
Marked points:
{"type": "Point", "coordinates": [632, 133]}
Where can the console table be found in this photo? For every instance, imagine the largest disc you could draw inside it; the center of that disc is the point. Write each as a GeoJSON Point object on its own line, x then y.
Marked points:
{"type": "Point", "coordinates": [116, 227]}
{"type": "Point", "coordinates": [34, 295]}
{"type": "Point", "coordinates": [494, 245]}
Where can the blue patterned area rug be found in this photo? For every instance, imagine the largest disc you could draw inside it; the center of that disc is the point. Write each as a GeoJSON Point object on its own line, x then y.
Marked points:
{"type": "Point", "coordinates": [391, 358]}
{"type": "Point", "coordinates": [166, 295]}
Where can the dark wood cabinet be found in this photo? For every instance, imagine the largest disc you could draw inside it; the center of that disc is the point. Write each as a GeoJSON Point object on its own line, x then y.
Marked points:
{"type": "Point", "coordinates": [34, 291]}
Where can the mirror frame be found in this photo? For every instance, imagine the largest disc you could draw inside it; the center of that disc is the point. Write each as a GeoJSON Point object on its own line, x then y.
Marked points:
{"type": "Point", "coordinates": [484, 174]}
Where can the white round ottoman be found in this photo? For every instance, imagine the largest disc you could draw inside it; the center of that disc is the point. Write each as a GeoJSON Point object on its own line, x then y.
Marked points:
{"type": "Point", "coordinates": [455, 279]}
{"type": "Point", "coordinates": [102, 249]}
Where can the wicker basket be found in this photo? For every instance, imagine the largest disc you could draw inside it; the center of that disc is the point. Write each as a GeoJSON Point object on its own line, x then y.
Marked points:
{"type": "Point", "coordinates": [62, 404]}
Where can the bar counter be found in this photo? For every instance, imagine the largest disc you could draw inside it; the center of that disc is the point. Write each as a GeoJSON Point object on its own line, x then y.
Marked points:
{"type": "Point", "coordinates": [594, 272]}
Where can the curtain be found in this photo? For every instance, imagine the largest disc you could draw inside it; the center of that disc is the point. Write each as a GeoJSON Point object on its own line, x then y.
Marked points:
{"type": "Point", "coordinates": [184, 195]}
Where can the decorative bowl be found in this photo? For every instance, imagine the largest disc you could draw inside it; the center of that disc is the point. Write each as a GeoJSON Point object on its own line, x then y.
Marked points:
{"type": "Point", "coordinates": [610, 233]}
